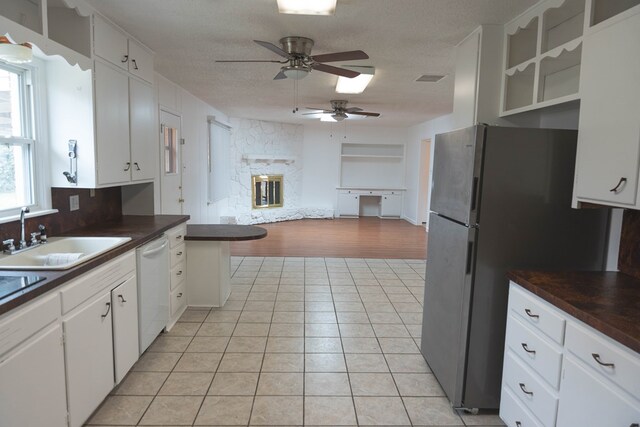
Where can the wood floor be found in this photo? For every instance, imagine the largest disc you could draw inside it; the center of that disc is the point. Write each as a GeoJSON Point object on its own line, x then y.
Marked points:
{"type": "Point", "coordinates": [366, 237]}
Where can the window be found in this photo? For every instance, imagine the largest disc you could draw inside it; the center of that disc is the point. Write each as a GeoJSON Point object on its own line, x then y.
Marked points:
{"type": "Point", "coordinates": [16, 139]}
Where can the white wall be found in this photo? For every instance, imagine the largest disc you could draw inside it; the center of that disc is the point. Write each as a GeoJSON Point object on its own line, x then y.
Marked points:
{"type": "Point", "coordinates": [194, 113]}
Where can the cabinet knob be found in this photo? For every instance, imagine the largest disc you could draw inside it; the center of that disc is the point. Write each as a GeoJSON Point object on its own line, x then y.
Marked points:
{"type": "Point", "coordinates": [616, 189]}
{"type": "Point", "coordinates": [180, 200]}
{"type": "Point", "coordinates": [527, 349]}
{"type": "Point", "coordinates": [179, 273]}
{"type": "Point", "coordinates": [179, 253]}
{"type": "Point", "coordinates": [596, 357]}
{"type": "Point", "coordinates": [108, 310]}
{"type": "Point", "coordinates": [124, 59]}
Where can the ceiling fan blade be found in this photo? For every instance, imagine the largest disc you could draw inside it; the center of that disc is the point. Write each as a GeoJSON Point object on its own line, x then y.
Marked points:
{"type": "Point", "coordinates": [273, 48]}
{"type": "Point", "coordinates": [249, 60]}
{"type": "Point", "coordinates": [280, 76]}
{"type": "Point", "coordinates": [352, 55]}
{"type": "Point", "coordinates": [319, 110]}
{"type": "Point", "coordinates": [365, 113]}
{"type": "Point", "coordinates": [353, 109]}
{"type": "Point", "coordinates": [334, 70]}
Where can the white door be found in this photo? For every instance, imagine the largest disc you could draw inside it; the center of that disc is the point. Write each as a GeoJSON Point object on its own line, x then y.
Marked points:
{"type": "Point", "coordinates": [144, 154]}
{"type": "Point", "coordinates": [124, 300]}
{"type": "Point", "coordinates": [89, 358]}
{"type": "Point", "coordinates": [171, 168]}
{"type": "Point", "coordinates": [32, 386]}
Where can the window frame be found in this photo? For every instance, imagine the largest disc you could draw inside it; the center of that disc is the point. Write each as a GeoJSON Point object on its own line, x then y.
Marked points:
{"type": "Point", "coordinates": [34, 129]}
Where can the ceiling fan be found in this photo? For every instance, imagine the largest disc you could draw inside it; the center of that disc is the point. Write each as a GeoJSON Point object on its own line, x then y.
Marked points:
{"type": "Point", "coordinates": [297, 54]}
{"type": "Point", "coordinates": [339, 111]}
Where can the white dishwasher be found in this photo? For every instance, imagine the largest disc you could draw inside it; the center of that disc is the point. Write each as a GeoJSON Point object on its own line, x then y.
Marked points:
{"type": "Point", "coordinates": [153, 289]}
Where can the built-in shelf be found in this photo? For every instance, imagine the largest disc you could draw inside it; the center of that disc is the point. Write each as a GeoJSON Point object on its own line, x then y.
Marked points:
{"type": "Point", "coordinates": [371, 165]}
{"type": "Point", "coordinates": [268, 158]}
{"type": "Point", "coordinates": [548, 72]}
{"type": "Point", "coordinates": [25, 13]}
{"type": "Point", "coordinates": [605, 9]}
{"type": "Point", "coordinates": [372, 156]}
{"type": "Point", "coordinates": [69, 27]}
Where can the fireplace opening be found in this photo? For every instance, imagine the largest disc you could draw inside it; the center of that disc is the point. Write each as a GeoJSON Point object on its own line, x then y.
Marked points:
{"type": "Point", "coordinates": [267, 191]}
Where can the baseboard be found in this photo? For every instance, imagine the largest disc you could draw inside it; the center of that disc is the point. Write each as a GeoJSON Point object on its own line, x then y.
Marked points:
{"type": "Point", "coordinates": [410, 220]}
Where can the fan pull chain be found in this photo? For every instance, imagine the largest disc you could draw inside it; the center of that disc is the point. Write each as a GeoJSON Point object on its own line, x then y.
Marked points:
{"type": "Point", "coordinates": [295, 96]}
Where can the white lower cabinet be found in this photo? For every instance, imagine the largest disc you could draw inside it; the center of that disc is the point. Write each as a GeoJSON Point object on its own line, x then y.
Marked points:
{"type": "Point", "coordinates": [552, 378]}
{"type": "Point", "coordinates": [124, 300]}
{"type": "Point", "coordinates": [32, 383]}
{"type": "Point", "coordinates": [348, 204]}
{"type": "Point", "coordinates": [391, 205]}
{"type": "Point", "coordinates": [89, 357]}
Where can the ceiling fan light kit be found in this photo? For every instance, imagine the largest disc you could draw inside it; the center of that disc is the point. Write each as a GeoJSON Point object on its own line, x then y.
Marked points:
{"type": "Point", "coordinates": [15, 53]}
{"type": "Point", "coordinates": [307, 7]}
{"type": "Point", "coordinates": [339, 111]}
{"type": "Point", "coordinates": [357, 84]}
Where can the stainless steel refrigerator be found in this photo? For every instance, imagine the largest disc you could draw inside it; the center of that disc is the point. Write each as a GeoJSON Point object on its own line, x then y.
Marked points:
{"type": "Point", "coordinates": [500, 200]}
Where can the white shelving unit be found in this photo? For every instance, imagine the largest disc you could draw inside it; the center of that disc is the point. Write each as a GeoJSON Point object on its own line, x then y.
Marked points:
{"type": "Point", "coordinates": [542, 58]}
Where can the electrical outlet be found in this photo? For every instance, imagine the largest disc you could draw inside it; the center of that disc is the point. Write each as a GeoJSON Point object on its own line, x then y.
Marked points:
{"type": "Point", "coordinates": [74, 203]}
{"type": "Point", "coordinates": [92, 192]}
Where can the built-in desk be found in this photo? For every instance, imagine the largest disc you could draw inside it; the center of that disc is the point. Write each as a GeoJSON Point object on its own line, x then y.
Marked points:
{"type": "Point", "coordinates": [381, 202]}
{"type": "Point", "coordinates": [208, 260]}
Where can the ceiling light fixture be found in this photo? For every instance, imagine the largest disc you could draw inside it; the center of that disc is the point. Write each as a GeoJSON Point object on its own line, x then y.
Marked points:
{"type": "Point", "coordinates": [327, 118]}
{"type": "Point", "coordinates": [339, 116]}
{"type": "Point", "coordinates": [307, 7]}
{"type": "Point", "coordinates": [357, 84]}
{"type": "Point", "coordinates": [15, 53]}
{"type": "Point", "coordinates": [295, 72]}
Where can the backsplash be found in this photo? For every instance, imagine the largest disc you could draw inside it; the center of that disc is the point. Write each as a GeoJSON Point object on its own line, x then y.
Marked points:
{"type": "Point", "coordinates": [629, 258]}
{"type": "Point", "coordinates": [105, 206]}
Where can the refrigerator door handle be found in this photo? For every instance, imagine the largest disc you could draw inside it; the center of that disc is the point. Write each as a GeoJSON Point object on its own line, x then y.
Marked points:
{"type": "Point", "coordinates": [469, 257]}
{"type": "Point", "coordinates": [474, 193]}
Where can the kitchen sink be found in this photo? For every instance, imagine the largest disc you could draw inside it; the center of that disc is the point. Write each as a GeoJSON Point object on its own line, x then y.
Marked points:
{"type": "Point", "coordinates": [60, 253]}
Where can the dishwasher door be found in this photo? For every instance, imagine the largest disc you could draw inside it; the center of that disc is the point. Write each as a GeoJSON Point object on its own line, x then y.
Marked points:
{"type": "Point", "coordinates": [153, 289]}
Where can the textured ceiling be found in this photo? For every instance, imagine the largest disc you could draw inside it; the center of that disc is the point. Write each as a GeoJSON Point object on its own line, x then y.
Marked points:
{"type": "Point", "coordinates": [403, 38]}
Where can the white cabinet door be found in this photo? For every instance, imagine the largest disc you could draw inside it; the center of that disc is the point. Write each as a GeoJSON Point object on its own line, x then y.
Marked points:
{"type": "Point", "coordinates": [124, 300]}
{"type": "Point", "coordinates": [89, 358]}
{"type": "Point", "coordinates": [391, 205]}
{"type": "Point", "coordinates": [587, 401]}
{"type": "Point", "coordinates": [348, 204]}
{"type": "Point", "coordinates": [144, 138]}
{"type": "Point", "coordinates": [32, 385]}
{"type": "Point", "coordinates": [140, 61]}
{"type": "Point", "coordinates": [609, 134]}
{"type": "Point", "coordinates": [112, 125]}
{"type": "Point", "coordinates": [109, 43]}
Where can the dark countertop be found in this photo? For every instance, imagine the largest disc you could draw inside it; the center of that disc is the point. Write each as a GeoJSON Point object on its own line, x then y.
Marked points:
{"type": "Point", "coordinates": [607, 301]}
{"type": "Point", "coordinates": [224, 232]}
{"type": "Point", "coordinates": [141, 229]}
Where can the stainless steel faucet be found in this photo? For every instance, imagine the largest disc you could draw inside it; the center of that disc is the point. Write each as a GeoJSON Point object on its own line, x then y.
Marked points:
{"type": "Point", "coordinates": [23, 241]}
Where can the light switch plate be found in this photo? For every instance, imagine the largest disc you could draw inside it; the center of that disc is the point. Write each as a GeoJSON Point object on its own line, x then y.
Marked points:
{"type": "Point", "coordinates": [74, 203]}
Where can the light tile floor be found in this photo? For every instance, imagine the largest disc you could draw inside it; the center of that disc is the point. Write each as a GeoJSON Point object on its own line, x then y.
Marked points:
{"type": "Point", "coordinates": [301, 341]}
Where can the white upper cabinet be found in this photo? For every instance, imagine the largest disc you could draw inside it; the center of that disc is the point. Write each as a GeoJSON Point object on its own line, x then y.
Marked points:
{"type": "Point", "coordinates": [110, 44]}
{"type": "Point", "coordinates": [144, 140]}
{"type": "Point", "coordinates": [609, 133]}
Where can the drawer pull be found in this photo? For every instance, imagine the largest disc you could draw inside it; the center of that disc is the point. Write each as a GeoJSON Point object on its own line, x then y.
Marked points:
{"type": "Point", "coordinates": [179, 237]}
{"type": "Point", "coordinates": [518, 424]}
{"type": "Point", "coordinates": [524, 389]}
{"type": "Point", "coordinates": [533, 316]}
{"type": "Point", "coordinates": [635, 425]}
{"type": "Point", "coordinates": [617, 187]}
{"type": "Point", "coordinates": [122, 299]}
{"type": "Point", "coordinates": [179, 273]}
{"type": "Point", "coordinates": [108, 310]}
{"type": "Point", "coordinates": [526, 348]}
{"type": "Point", "coordinates": [179, 253]}
{"type": "Point", "coordinates": [596, 357]}
{"type": "Point", "coordinates": [179, 295]}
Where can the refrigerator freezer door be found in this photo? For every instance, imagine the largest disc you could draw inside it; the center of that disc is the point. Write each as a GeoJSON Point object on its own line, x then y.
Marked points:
{"type": "Point", "coordinates": [456, 174]}
{"type": "Point", "coordinates": [450, 263]}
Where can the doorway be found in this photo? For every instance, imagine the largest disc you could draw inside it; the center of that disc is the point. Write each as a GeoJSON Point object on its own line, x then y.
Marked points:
{"type": "Point", "coordinates": [171, 201]}
{"type": "Point", "coordinates": [424, 189]}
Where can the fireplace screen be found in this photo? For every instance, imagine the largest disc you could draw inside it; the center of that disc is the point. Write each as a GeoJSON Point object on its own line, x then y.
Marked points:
{"type": "Point", "coordinates": [267, 191]}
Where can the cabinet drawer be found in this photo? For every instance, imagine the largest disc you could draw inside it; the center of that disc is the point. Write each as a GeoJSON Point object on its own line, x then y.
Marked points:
{"type": "Point", "coordinates": [27, 321]}
{"type": "Point", "coordinates": [531, 391]}
{"type": "Point", "coordinates": [178, 273]}
{"type": "Point", "coordinates": [178, 254]}
{"type": "Point", "coordinates": [537, 314]}
{"type": "Point", "coordinates": [176, 235]}
{"type": "Point", "coordinates": [178, 300]}
{"type": "Point", "coordinates": [590, 348]}
{"type": "Point", "coordinates": [513, 413]}
{"type": "Point", "coordinates": [89, 284]}
{"type": "Point", "coordinates": [540, 355]}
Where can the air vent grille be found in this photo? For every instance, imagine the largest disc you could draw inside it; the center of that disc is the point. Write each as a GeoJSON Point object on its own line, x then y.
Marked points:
{"type": "Point", "coordinates": [430, 78]}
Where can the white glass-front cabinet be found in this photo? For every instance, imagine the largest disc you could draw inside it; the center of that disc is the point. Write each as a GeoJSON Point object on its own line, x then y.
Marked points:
{"type": "Point", "coordinates": [89, 357]}
{"type": "Point", "coordinates": [609, 136]}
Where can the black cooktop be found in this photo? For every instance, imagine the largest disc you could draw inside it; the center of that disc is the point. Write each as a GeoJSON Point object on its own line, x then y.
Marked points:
{"type": "Point", "coordinates": [12, 284]}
